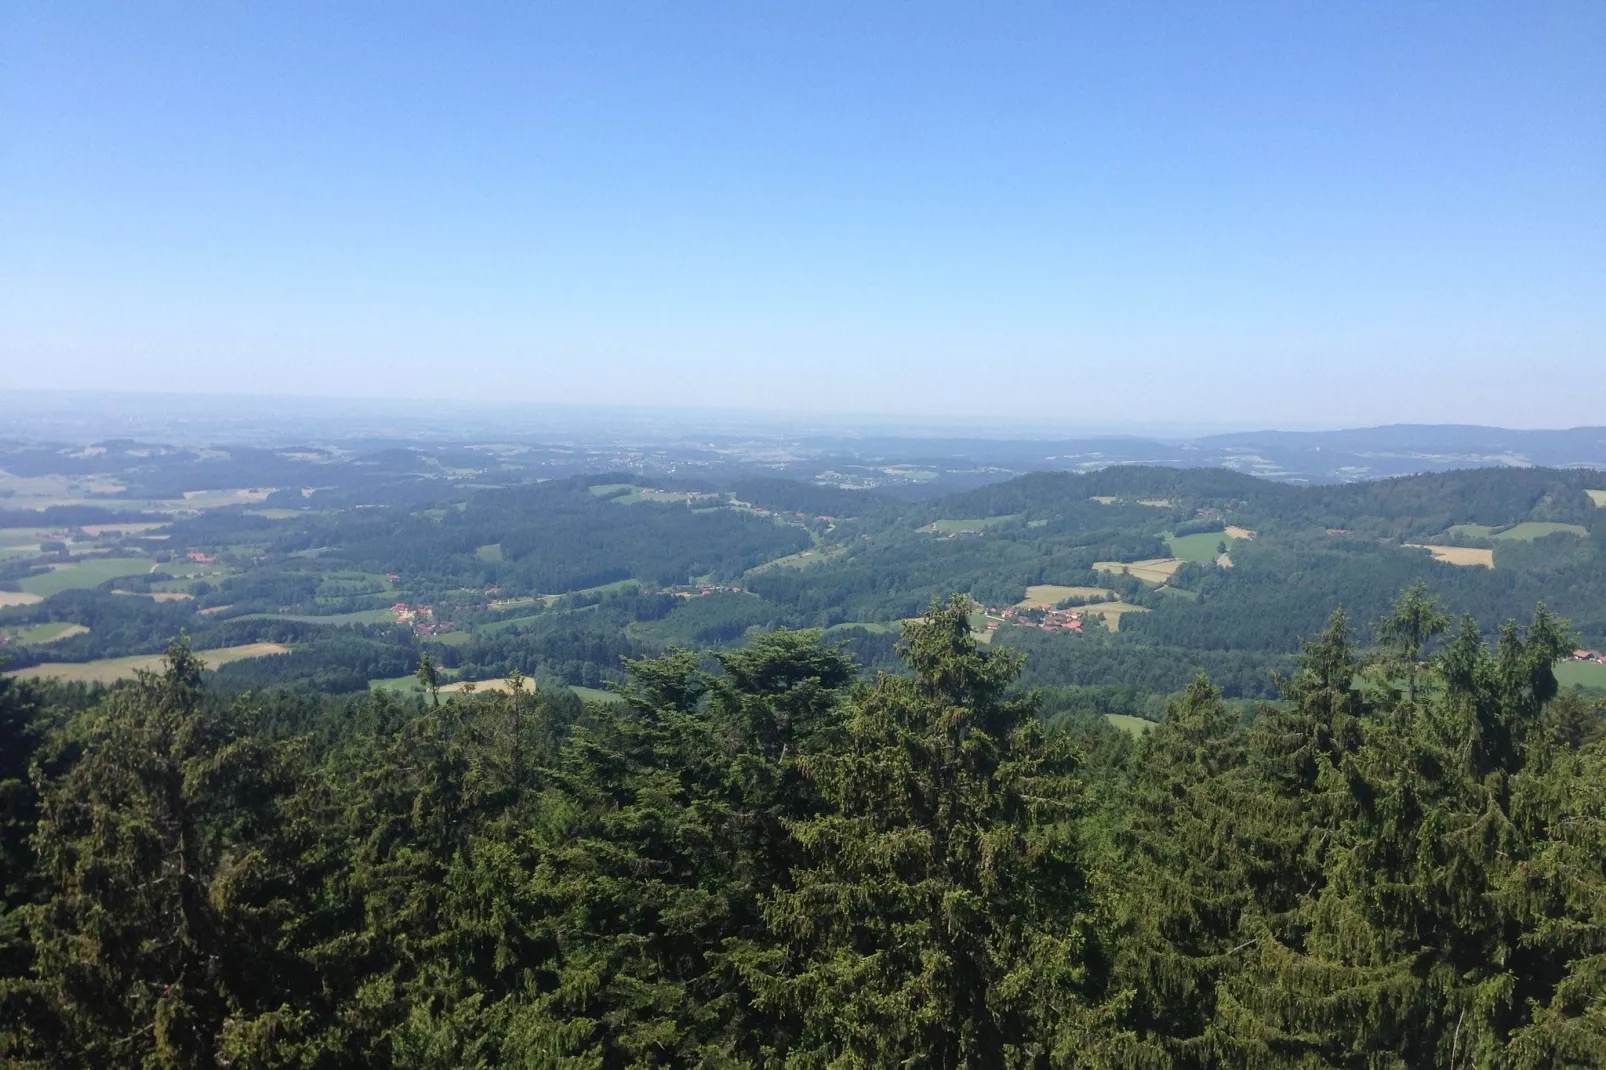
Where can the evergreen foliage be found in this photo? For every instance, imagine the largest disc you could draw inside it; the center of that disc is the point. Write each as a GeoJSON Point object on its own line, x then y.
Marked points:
{"type": "Point", "coordinates": [764, 858]}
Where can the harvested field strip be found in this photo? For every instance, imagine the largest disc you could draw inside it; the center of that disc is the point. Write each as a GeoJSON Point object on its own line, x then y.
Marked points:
{"type": "Point", "coordinates": [1598, 497]}
{"type": "Point", "coordinates": [1467, 556]}
{"type": "Point", "coordinates": [1153, 570]}
{"type": "Point", "coordinates": [110, 670]}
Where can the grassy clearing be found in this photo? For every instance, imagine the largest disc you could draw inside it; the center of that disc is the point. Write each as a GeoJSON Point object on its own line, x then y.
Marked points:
{"type": "Point", "coordinates": [158, 596]}
{"type": "Point", "coordinates": [803, 559]}
{"type": "Point", "coordinates": [18, 598]}
{"type": "Point", "coordinates": [1598, 497]}
{"type": "Point", "coordinates": [975, 523]}
{"type": "Point", "coordinates": [1199, 548]}
{"type": "Point", "coordinates": [1466, 556]}
{"type": "Point", "coordinates": [1128, 723]}
{"type": "Point", "coordinates": [491, 551]}
{"type": "Point", "coordinates": [596, 694]}
{"type": "Point", "coordinates": [1236, 532]}
{"type": "Point", "coordinates": [1105, 499]}
{"type": "Point", "coordinates": [110, 670]}
{"type": "Point", "coordinates": [216, 499]}
{"type": "Point", "coordinates": [1471, 531]}
{"type": "Point", "coordinates": [875, 627]}
{"type": "Point", "coordinates": [1530, 530]}
{"type": "Point", "coordinates": [1590, 674]}
{"type": "Point", "coordinates": [503, 625]}
{"type": "Point", "coordinates": [83, 574]}
{"type": "Point", "coordinates": [604, 489]}
{"type": "Point", "coordinates": [1178, 592]}
{"type": "Point", "coordinates": [1154, 570]}
{"type": "Point", "coordinates": [1049, 595]}
{"type": "Point", "coordinates": [49, 632]}
{"type": "Point", "coordinates": [1157, 503]}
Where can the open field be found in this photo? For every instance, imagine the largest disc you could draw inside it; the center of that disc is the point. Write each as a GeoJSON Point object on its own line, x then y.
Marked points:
{"type": "Point", "coordinates": [975, 523]}
{"type": "Point", "coordinates": [97, 530]}
{"type": "Point", "coordinates": [1105, 499]}
{"type": "Point", "coordinates": [81, 574]}
{"type": "Point", "coordinates": [158, 596]}
{"type": "Point", "coordinates": [1457, 555]}
{"type": "Point", "coordinates": [1199, 548]}
{"type": "Point", "coordinates": [49, 632]}
{"type": "Point", "coordinates": [18, 598]}
{"type": "Point", "coordinates": [1240, 533]}
{"type": "Point", "coordinates": [1598, 497]}
{"type": "Point", "coordinates": [1591, 674]}
{"type": "Point", "coordinates": [1178, 592]}
{"type": "Point", "coordinates": [491, 551]}
{"type": "Point", "coordinates": [110, 670]}
{"type": "Point", "coordinates": [1110, 613]}
{"type": "Point", "coordinates": [1155, 570]}
{"type": "Point", "coordinates": [214, 499]}
{"type": "Point", "coordinates": [1537, 529]}
{"type": "Point", "coordinates": [1157, 503]}
{"type": "Point", "coordinates": [1049, 595]}
{"type": "Point", "coordinates": [1128, 723]}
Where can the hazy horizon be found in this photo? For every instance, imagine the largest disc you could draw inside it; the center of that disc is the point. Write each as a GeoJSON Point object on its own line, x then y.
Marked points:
{"type": "Point", "coordinates": [1102, 216]}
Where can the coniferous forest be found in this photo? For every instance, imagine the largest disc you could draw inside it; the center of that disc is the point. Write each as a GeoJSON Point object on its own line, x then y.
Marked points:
{"type": "Point", "coordinates": [769, 857]}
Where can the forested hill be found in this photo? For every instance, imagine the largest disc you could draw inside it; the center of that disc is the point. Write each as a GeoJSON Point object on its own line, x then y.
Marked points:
{"type": "Point", "coordinates": [1129, 579]}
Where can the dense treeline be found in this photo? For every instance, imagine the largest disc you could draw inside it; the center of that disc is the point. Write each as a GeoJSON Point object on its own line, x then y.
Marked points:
{"type": "Point", "coordinates": [769, 860]}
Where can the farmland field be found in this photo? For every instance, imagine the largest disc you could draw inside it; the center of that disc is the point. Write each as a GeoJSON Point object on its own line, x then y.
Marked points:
{"type": "Point", "coordinates": [1457, 555]}
{"type": "Point", "coordinates": [975, 523]}
{"type": "Point", "coordinates": [18, 598]}
{"type": "Point", "coordinates": [1591, 674]}
{"type": "Point", "coordinates": [1535, 529]}
{"type": "Point", "coordinates": [1154, 570]}
{"type": "Point", "coordinates": [90, 573]}
{"type": "Point", "coordinates": [596, 694]}
{"type": "Point", "coordinates": [1049, 595]}
{"type": "Point", "coordinates": [110, 670]}
{"type": "Point", "coordinates": [49, 632]}
{"type": "Point", "coordinates": [1128, 723]}
{"type": "Point", "coordinates": [158, 596]}
{"type": "Point", "coordinates": [1598, 497]}
{"type": "Point", "coordinates": [1239, 533]}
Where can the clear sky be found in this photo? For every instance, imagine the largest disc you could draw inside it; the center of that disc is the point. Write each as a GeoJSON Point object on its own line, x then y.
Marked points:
{"type": "Point", "coordinates": [1245, 214]}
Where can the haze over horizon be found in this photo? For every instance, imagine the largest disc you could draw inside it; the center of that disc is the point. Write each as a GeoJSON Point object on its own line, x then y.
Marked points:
{"type": "Point", "coordinates": [1133, 215]}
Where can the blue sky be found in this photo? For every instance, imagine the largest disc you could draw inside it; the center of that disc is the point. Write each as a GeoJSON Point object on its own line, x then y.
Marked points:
{"type": "Point", "coordinates": [1206, 214]}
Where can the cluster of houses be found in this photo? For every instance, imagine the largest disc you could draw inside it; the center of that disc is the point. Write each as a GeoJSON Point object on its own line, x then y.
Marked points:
{"type": "Point", "coordinates": [422, 618]}
{"type": "Point", "coordinates": [1050, 620]}
{"type": "Point", "coordinates": [1590, 655]}
{"type": "Point", "coordinates": [702, 590]}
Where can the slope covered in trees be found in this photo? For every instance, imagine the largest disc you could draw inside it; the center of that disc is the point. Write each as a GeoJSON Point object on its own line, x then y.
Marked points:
{"type": "Point", "coordinates": [767, 858]}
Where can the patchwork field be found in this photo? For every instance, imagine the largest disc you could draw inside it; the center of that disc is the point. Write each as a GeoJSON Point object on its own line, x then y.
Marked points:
{"type": "Point", "coordinates": [1110, 613]}
{"type": "Point", "coordinates": [1049, 595]}
{"type": "Point", "coordinates": [1467, 556]}
{"type": "Point", "coordinates": [1154, 570]}
{"type": "Point", "coordinates": [110, 670]}
{"type": "Point", "coordinates": [1536, 529]}
{"type": "Point", "coordinates": [49, 632]}
{"type": "Point", "coordinates": [83, 574]}
{"type": "Point", "coordinates": [1590, 674]}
